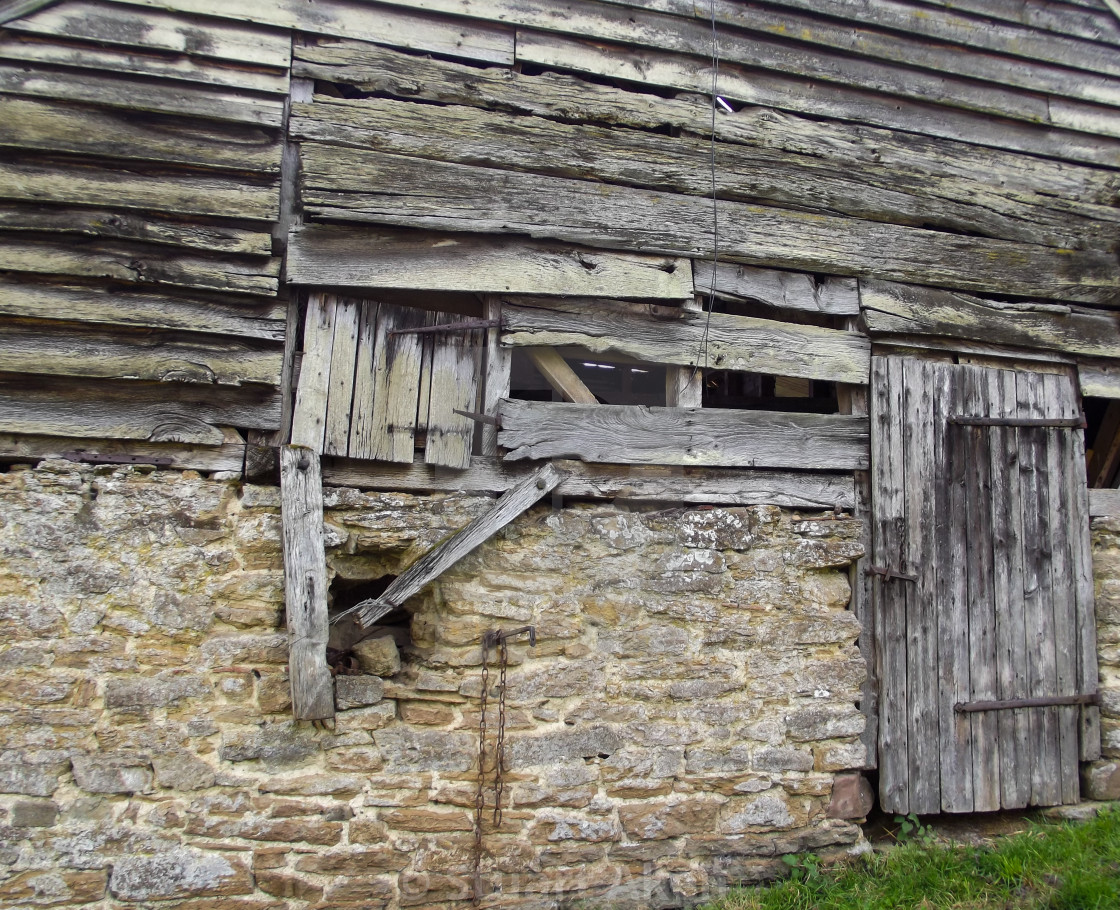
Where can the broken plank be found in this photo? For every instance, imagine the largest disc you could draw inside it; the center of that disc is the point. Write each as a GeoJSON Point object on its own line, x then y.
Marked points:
{"type": "Point", "coordinates": [560, 376]}
{"type": "Point", "coordinates": [651, 483]}
{"type": "Point", "coordinates": [346, 184]}
{"type": "Point", "coordinates": [309, 416]}
{"type": "Point", "coordinates": [156, 412]}
{"type": "Point", "coordinates": [902, 310]}
{"type": "Point", "coordinates": [411, 260]}
{"type": "Point", "coordinates": [780, 290]}
{"type": "Point", "coordinates": [179, 194]}
{"type": "Point", "coordinates": [728, 342]}
{"type": "Point", "coordinates": [429, 566]}
{"type": "Point", "coordinates": [140, 264]}
{"type": "Point", "coordinates": [55, 349]}
{"type": "Point", "coordinates": [389, 431]}
{"type": "Point", "coordinates": [228, 456]}
{"type": "Point", "coordinates": [305, 583]}
{"type": "Point", "coordinates": [340, 395]}
{"type": "Point", "coordinates": [244, 318]}
{"type": "Point", "coordinates": [488, 42]}
{"type": "Point", "coordinates": [47, 126]}
{"type": "Point", "coordinates": [456, 370]}
{"type": "Point", "coordinates": [1099, 380]}
{"type": "Point", "coordinates": [617, 434]}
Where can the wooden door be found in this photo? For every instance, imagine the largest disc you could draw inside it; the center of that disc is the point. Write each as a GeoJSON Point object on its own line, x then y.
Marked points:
{"type": "Point", "coordinates": [982, 588]}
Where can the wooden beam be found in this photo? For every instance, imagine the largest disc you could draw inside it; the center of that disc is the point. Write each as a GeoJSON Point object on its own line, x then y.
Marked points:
{"type": "Point", "coordinates": [560, 376]}
{"type": "Point", "coordinates": [715, 340]}
{"type": "Point", "coordinates": [429, 566]}
{"type": "Point", "coordinates": [305, 583]}
{"type": "Point", "coordinates": [651, 483]}
{"type": "Point", "coordinates": [617, 434]}
{"type": "Point", "coordinates": [684, 387]}
{"type": "Point", "coordinates": [780, 290]}
{"type": "Point", "coordinates": [1104, 503]}
{"type": "Point", "coordinates": [412, 260]}
{"type": "Point", "coordinates": [499, 362]}
{"type": "Point", "coordinates": [228, 456]}
{"type": "Point", "coordinates": [903, 310]}
{"type": "Point", "coordinates": [351, 185]}
{"type": "Point", "coordinates": [310, 412]}
{"type": "Point", "coordinates": [1099, 380]}
{"type": "Point", "coordinates": [11, 10]}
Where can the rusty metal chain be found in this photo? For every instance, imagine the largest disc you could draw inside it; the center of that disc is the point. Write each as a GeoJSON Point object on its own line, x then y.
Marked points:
{"type": "Point", "coordinates": [480, 793]}
{"type": "Point", "coordinates": [500, 749]}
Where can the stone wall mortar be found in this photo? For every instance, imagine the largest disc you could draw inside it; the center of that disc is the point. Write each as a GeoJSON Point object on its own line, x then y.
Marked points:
{"type": "Point", "coordinates": [677, 727]}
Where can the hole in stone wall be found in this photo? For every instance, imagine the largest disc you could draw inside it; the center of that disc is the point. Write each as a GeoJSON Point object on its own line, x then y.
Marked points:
{"type": "Point", "coordinates": [1102, 440]}
{"type": "Point", "coordinates": [345, 632]}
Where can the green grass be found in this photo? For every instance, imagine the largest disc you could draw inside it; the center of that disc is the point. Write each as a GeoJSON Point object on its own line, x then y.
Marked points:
{"type": "Point", "coordinates": [1056, 866]}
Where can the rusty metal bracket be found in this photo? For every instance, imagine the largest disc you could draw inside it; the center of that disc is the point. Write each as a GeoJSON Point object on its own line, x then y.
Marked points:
{"type": "Point", "coordinates": [888, 574]}
{"type": "Point", "coordinates": [495, 637]}
{"type": "Point", "coordinates": [466, 326]}
{"type": "Point", "coordinates": [1091, 698]}
{"type": "Point", "coordinates": [479, 418]}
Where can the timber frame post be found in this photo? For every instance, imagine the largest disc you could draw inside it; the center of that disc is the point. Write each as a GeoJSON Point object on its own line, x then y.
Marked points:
{"type": "Point", "coordinates": [305, 583]}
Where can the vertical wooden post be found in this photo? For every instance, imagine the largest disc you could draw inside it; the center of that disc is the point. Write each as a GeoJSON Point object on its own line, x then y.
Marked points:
{"type": "Point", "coordinates": [684, 386]}
{"type": "Point", "coordinates": [498, 361]}
{"type": "Point", "coordinates": [305, 583]}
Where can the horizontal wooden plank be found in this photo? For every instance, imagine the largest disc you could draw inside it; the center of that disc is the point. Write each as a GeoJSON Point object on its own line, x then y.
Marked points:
{"type": "Point", "coordinates": [693, 486]}
{"type": "Point", "coordinates": [901, 310]}
{"type": "Point", "coordinates": [49, 52]}
{"type": "Point", "coordinates": [704, 437]}
{"type": "Point", "coordinates": [155, 95]}
{"type": "Point", "coordinates": [1104, 503]}
{"type": "Point", "coordinates": [1014, 186]}
{"type": "Point", "coordinates": [135, 226]}
{"type": "Point", "coordinates": [887, 29]}
{"type": "Point", "coordinates": [71, 183]}
{"type": "Point", "coordinates": [1099, 380]}
{"type": "Point", "coordinates": [115, 24]}
{"type": "Point", "coordinates": [515, 142]}
{"type": "Point", "coordinates": [156, 412]}
{"type": "Point", "coordinates": [780, 290]}
{"type": "Point", "coordinates": [346, 184]}
{"type": "Point", "coordinates": [489, 42]}
{"type": "Point", "coordinates": [48, 126]}
{"type": "Point", "coordinates": [696, 339]}
{"type": "Point", "coordinates": [240, 317]}
{"type": "Point", "coordinates": [14, 9]}
{"type": "Point", "coordinates": [408, 260]}
{"type": "Point", "coordinates": [58, 349]}
{"type": "Point", "coordinates": [229, 455]}
{"type": "Point", "coordinates": [139, 264]}
{"type": "Point", "coordinates": [1059, 132]}
{"type": "Point", "coordinates": [1090, 21]}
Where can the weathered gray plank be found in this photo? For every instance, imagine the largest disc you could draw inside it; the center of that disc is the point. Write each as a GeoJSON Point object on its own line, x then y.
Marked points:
{"type": "Point", "coordinates": [693, 486]}
{"type": "Point", "coordinates": [139, 264]}
{"type": "Point", "coordinates": [429, 566]}
{"type": "Point", "coordinates": [907, 310]}
{"type": "Point", "coordinates": [1104, 503]}
{"type": "Point", "coordinates": [499, 362]}
{"type": "Point", "coordinates": [756, 173]}
{"type": "Point", "coordinates": [58, 349]}
{"type": "Point", "coordinates": [1008, 587]}
{"type": "Point", "coordinates": [113, 24]}
{"type": "Point", "coordinates": [1090, 22]}
{"type": "Point", "coordinates": [155, 412]}
{"type": "Point", "coordinates": [310, 412]}
{"type": "Point", "coordinates": [14, 9]}
{"type": "Point", "coordinates": [456, 368]}
{"type": "Point", "coordinates": [365, 376]}
{"type": "Point", "coordinates": [347, 184]}
{"type": "Point", "coordinates": [781, 290]}
{"type": "Point", "coordinates": [43, 125]}
{"type": "Point", "coordinates": [890, 550]}
{"type": "Point", "coordinates": [185, 194]}
{"type": "Point", "coordinates": [684, 387]}
{"type": "Point", "coordinates": [731, 342]}
{"type": "Point", "coordinates": [229, 456]}
{"type": "Point", "coordinates": [48, 52]}
{"type": "Point", "coordinates": [305, 583]}
{"type": "Point", "coordinates": [391, 432]}
{"type": "Point", "coordinates": [490, 42]}
{"type": "Point", "coordinates": [618, 434]}
{"type": "Point", "coordinates": [244, 317]}
{"type": "Point", "coordinates": [364, 257]}
{"type": "Point", "coordinates": [137, 94]}
{"type": "Point", "coordinates": [340, 384]}
{"type": "Point", "coordinates": [1064, 133]}
{"type": "Point", "coordinates": [1099, 380]}
{"type": "Point", "coordinates": [140, 227]}
{"type": "Point", "coordinates": [560, 376]}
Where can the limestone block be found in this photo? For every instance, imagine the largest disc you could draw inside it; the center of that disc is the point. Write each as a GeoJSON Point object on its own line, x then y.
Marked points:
{"type": "Point", "coordinates": [378, 656]}
{"type": "Point", "coordinates": [182, 770]}
{"type": "Point", "coordinates": [281, 884]}
{"type": "Point", "coordinates": [575, 742]}
{"type": "Point", "coordinates": [408, 751]}
{"type": "Point", "coordinates": [357, 691]}
{"type": "Point", "coordinates": [718, 529]}
{"type": "Point", "coordinates": [29, 779]}
{"type": "Point", "coordinates": [342, 786]}
{"type": "Point", "coordinates": [100, 773]}
{"type": "Point", "coordinates": [53, 887]}
{"type": "Point", "coordinates": [852, 797]}
{"type": "Point", "coordinates": [354, 862]}
{"type": "Point", "coordinates": [274, 744]}
{"type": "Point", "coordinates": [1101, 780]}
{"type": "Point", "coordinates": [372, 718]}
{"type": "Point", "coordinates": [364, 891]}
{"type": "Point", "coordinates": [280, 830]}
{"type": "Point", "coordinates": [362, 758]}
{"type": "Point", "coordinates": [177, 873]}
{"type": "Point", "coordinates": [817, 723]}
{"type": "Point", "coordinates": [427, 820]}
{"type": "Point", "coordinates": [783, 759]}
{"type": "Point", "coordinates": [660, 820]}
{"type": "Point", "coordinates": [426, 713]}
{"type": "Point", "coordinates": [766, 811]}
{"type": "Point", "coordinates": [841, 756]}
{"type": "Point", "coordinates": [33, 813]}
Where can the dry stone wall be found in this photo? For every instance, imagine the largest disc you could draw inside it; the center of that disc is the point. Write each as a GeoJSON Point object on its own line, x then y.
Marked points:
{"type": "Point", "coordinates": [1101, 780]}
{"type": "Point", "coordinates": [678, 725]}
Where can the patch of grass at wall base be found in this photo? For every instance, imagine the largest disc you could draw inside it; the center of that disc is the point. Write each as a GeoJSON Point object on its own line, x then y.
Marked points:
{"type": "Point", "coordinates": [1056, 866]}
